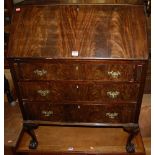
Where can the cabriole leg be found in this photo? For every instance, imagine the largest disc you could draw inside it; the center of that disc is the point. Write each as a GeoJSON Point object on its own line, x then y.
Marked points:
{"type": "Point", "coordinates": [133, 131]}
{"type": "Point", "coordinates": [29, 128]}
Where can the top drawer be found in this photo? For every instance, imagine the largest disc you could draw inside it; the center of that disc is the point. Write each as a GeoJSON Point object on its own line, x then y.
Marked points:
{"type": "Point", "coordinates": [79, 71]}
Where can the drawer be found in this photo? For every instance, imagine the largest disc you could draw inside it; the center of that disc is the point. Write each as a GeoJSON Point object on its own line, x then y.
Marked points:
{"type": "Point", "coordinates": [113, 92]}
{"type": "Point", "coordinates": [80, 113]}
{"type": "Point", "coordinates": [44, 71]}
{"type": "Point", "coordinates": [79, 71]}
{"type": "Point", "coordinates": [113, 72]}
{"type": "Point", "coordinates": [35, 91]}
{"type": "Point", "coordinates": [79, 91]}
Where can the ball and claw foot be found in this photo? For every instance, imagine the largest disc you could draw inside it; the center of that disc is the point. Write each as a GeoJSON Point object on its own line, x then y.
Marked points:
{"type": "Point", "coordinates": [130, 148]}
{"type": "Point", "coordinates": [33, 144]}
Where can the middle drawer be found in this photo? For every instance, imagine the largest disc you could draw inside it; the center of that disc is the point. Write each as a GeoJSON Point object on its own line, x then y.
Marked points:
{"type": "Point", "coordinates": [78, 91]}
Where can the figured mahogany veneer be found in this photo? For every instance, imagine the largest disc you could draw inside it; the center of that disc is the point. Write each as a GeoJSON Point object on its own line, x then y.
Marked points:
{"type": "Point", "coordinates": [76, 91]}
{"type": "Point", "coordinates": [79, 65]}
{"type": "Point", "coordinates": [98, 31]}
{"type": "Point", "coordinates": [40, 2]}
{"type": "Point", "coordinates": [80, 113]}
{"type": "Point", "coordinates": [80, 71]}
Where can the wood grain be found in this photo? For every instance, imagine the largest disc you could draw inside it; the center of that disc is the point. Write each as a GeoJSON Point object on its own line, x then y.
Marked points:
{"type": "Point", "coordinates": [80, 113]}
{"type": "Point", "coordinates": [102, 141]}
{"type": "Point", "coordinates": [84, 2]}
{"type": "Point", "coordinates": [94, 31]}
{"type": "Point", "coordinates": [76, 91]}
{"type": "Point", "coordinates": [79, 71]}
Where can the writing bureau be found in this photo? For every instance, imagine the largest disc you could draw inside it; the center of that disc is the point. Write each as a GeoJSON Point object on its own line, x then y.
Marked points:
{"type": "Point", "coordinates": [79, 65]}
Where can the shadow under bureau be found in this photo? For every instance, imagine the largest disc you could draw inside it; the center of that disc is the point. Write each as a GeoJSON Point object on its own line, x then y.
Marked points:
{"type": "Point", "coordinates": [79, 65]}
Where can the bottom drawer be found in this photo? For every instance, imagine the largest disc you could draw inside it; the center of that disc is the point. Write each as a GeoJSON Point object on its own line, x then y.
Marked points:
{"type": "Point", "coordinates": [80, 113]}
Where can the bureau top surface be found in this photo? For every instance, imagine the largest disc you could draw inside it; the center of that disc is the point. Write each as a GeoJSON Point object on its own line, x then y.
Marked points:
{"type": "Point", "coordinates": [79, 32]}
{"type": "Point", "coordinates": [84, 2]}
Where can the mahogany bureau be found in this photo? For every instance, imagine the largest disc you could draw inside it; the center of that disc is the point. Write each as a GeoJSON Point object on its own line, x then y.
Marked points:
{"type": "Point", "coordinates": [79, 65]}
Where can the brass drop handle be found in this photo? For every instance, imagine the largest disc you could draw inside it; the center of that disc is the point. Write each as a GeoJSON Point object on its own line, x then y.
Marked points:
{"type": "Point", "coordinates": [43, 92]}
{"type": "Point", "coordinates": [113, 94]}
{"type": "Point", "coordinates": [47, 113]}
{"type": "Point", "coordinates": [111, 115]}
{"type": "Point", "coordinates": [114, 74]}
{"type": "Point", "coordinates": [40, 72]}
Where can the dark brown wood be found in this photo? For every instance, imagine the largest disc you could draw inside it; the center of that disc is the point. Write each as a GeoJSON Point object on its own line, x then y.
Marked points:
{"type": "Point", "coordinates": [29, 128]}
{"type": "Point", "coordinates": [8, 10]}
{"type": "Point", "coordinates": [139, 101]}
{"type": "Point", "coordinates": [147, 4]}
{"type": "Point", "coordinates": [79, 65]}
{"type": "Point", "coordinates": [58, 140]}
{"type": "Point", "coordinates": [14, 78]}
{"type": "Point", "coordinates": [147, 89]}
{"type": "Point", "coordinates": [59, 30]}
{"type": "Point", "coordinates": [140, 2]}
{"type": "Point", "coordinates": [130, 147]}
{"type": "Point", "coordinates": [76, 113]}
{"type": "Point", "coordinates": [76, 124]}
{"type": "Point", "coordinates": [76, 153]}
{"type": "Point", "coordinates": [79, 71]}
{"type": "Point", "coordinates": [8, 92]}
{"type": "Point", "coordinates": [79, 91]}
{"type": "Point", "coordinates": [8, 4]}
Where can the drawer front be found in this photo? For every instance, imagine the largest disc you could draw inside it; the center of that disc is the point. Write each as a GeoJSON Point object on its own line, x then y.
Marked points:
{"type": "Point", "coordinates": [35, 91]}
{"type": "Point", "coordinates": [80, 113]}
{"type": "Point", "coordinates": [40, 71]}
{"type": "Point", "coordinates": [76, 91]}
{"type": "Point", "coordinates": [113, 72]}
{"type": "Point", "coordinates": [113, 92]}
{"type": "Point", "coordinates": [79, 71]}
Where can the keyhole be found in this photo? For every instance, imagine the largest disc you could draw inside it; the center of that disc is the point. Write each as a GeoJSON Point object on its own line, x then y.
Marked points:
{"type": "Point", "coordinates": [79, 107]}
{"type": "Point", "coordinates": [77, 86]}
{"type": "Point", "coordinates": [50, 104]}
{"type": "Point", "coordinates": [77, 68]}
{"type": "Point", "coordinates": [78, 9]}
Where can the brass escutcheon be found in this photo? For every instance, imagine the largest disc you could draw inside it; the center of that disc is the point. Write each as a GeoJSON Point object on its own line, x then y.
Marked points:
{"type": "Point", "coordinates": [47, 113]}
{"type": "Point", "coordinates": [114, 74]}
{"type": "Point", "coordinates": [40, 72]}
{"type": "Point", "coordinates": [113, 94]}
{"type": "Point", "coordinates": [43, 92]}
{"type": "Point", "coordinates": [111, 115]}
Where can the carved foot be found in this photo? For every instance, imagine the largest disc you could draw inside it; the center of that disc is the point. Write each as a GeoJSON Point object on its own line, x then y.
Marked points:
{"type": "Point", "coordinates": [33, 144]}
{"type": "Point", "coordinates": [133, 131]}
{"type": "Point", "coordinates": [29, 128]}
{"type": "Point", "coordinates": [130, 148]}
